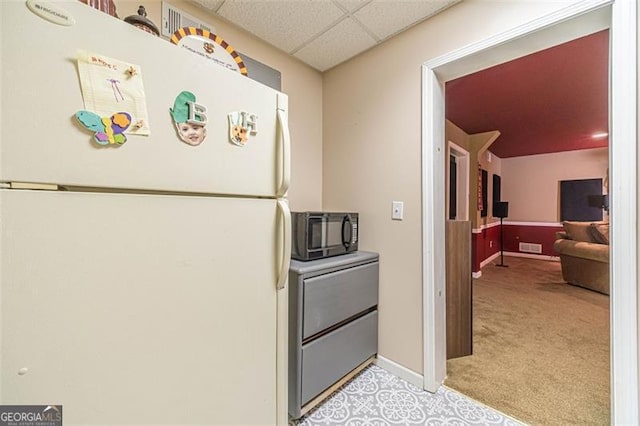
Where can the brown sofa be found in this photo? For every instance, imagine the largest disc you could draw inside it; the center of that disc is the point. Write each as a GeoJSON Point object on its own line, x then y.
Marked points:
{"type": "Point", "coordinates": [583, 248]}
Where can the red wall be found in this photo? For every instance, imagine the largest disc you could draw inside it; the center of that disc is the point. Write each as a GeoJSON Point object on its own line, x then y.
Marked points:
{"type": "Point", "coordinates": [484, 245]}
{"type": "Point", "coordinates": [487, 241]}
{"type": "Point", "coordinates": [545, 235]}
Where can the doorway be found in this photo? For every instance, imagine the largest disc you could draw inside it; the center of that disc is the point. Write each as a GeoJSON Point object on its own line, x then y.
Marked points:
{"type": "Point", "coordinates": [574, 21]}
{"type": "Point", "coordinates": [457, 182]}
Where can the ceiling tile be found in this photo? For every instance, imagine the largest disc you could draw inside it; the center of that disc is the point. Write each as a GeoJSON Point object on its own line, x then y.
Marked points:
{"type": "Point", "coordinates": [386, 18]}
{"type": "Point", "coordinates": [212, 5]}
{"type": "Point", "coordinates": [284, 23]}
{"type": "Point", "coordinates": [352, 5]}
{"type": "Point", "coordinates": [340, 43]}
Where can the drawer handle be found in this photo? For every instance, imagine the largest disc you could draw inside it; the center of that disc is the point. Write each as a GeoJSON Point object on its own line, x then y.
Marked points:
{"type": "Point", "coordinates": [285, 250]}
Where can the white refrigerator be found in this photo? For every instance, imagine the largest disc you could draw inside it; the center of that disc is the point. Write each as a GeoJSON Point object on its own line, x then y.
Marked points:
{"type": "Point", "coordinates": [143, 283]}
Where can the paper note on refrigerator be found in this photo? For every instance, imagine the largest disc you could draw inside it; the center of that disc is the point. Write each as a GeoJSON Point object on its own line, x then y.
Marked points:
{"type": "Point", "coordinates": [110, 85]}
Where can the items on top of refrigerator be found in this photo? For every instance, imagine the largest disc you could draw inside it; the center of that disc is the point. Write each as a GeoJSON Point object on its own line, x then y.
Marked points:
{"type": "Point", "coordinates": [141, 21]}
{"type": "Point", "coordinates": [210, 46]}
{"type": "Point", "coordinates": [107, 6]}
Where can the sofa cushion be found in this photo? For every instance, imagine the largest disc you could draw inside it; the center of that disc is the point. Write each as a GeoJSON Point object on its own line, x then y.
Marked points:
{"type": "Point", "coordinates": [578, 231]}
{"type": "Point", "coordinates": [599, 232]}
{"type": "Point", "coordinates": [581, 249]}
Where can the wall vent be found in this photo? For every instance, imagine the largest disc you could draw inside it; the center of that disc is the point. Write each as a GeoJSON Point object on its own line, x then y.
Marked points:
{"type": "Point", "coordinates": [173, 19]}
{"type": "Point", "coordinates": [530, 248]}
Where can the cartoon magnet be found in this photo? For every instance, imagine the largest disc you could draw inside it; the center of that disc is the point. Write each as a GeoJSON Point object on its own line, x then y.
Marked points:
{"type": "Point", "coordinates": [241, 125]}
{"type": "Point", "coordinates": [107, 130]}
{"type": "Point", "coordinates": [189, 118]}
{"type": "Point", "coordinates": [131, 71]}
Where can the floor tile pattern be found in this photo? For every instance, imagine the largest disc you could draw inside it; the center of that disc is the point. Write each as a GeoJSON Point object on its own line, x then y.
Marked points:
{"type": "Point", "coordinates": [376, 397]}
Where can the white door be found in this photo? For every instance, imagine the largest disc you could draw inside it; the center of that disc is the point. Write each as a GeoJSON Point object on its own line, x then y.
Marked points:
{"type": "Point", "coordinates": [139, 309]}
{"type": "Point", "coordinates": [43, 142]}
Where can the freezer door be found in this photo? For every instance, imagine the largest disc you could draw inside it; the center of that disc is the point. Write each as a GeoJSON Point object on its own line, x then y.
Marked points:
{"type": "Point", "coordinates": [139, 309]}
{"type": "Point", "coordinates": [41, 141]}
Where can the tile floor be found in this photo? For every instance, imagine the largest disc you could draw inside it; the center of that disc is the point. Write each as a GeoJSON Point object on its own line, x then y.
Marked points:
{"type": "Point", "coordinates": [376, 397]}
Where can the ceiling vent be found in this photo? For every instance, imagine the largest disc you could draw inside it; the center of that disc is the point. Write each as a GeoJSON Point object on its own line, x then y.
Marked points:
{"type": "Point", "coordinates": [173, 19]}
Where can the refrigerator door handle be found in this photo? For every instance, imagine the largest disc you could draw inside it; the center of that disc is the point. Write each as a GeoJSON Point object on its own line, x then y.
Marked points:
{"type": "Point", "coordinates": [283, 274]}
{"type": "Point", "coordinates": [285, 151]}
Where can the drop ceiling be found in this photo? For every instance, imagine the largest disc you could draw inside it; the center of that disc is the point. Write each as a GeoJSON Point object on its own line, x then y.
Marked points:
{"type": "Point", "coordinates": [325, 33]}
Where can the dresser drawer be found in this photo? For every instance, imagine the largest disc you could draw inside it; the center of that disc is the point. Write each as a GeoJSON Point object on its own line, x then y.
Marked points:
{"type": "Point", "coordinates": [328, 358]}
{"type": "Point", "coordinates": [331, 298]}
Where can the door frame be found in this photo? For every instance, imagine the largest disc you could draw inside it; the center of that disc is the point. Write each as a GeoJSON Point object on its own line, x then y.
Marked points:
{"type": "Point", "coordinates": [536, 35]}
{"type": "Point", "coordinates": [462, 201]}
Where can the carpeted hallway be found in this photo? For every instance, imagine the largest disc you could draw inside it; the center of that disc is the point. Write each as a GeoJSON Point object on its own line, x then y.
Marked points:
{"type": "Point", "coordinates": [541, 346]}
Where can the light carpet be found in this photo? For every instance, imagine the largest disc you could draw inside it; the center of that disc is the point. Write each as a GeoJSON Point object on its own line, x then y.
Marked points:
{"type": "Point", "coordinates": [540, 346]}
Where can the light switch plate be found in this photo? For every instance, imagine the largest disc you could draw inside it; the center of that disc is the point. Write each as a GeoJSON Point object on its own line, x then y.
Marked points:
{"type": "Point", "coordinates": [397, 210]}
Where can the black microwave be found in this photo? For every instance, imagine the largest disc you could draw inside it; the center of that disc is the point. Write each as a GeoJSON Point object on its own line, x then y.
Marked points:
{"type": "Point", "coordinates": [318, 234]}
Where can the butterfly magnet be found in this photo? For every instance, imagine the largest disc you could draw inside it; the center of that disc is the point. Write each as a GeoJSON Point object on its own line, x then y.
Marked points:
{"type": "Point", "coordinates": [107, 130]}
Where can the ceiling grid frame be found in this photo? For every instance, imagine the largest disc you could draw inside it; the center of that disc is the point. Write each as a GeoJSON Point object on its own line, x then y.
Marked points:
{"type": "Point", "coordinates": [359, 26]}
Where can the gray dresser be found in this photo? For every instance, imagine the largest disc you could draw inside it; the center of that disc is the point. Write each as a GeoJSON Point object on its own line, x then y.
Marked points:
{"type": "Point", "coordinates": [333, 323]}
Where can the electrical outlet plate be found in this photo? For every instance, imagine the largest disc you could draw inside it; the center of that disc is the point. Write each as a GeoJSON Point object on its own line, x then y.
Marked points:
{"type": "Point", "coordinates": [397, 210]}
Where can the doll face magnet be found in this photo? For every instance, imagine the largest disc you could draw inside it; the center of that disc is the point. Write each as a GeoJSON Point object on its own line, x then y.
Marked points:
{"type": "Point", "coordinates": [193, 134]}
{"type": "Point", "coordinates": [189, 118]}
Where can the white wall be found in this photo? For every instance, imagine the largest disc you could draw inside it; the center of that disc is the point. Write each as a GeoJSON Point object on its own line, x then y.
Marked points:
{"type": "Point", "coordinates": [531, 184]}
{"type": "Point", "coordinates": [372, 151]}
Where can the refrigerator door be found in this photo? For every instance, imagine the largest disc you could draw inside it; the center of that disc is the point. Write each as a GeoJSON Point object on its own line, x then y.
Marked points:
{"type": "Point", "coordinates": [41, 141]}
{"type": "Point", "coordinates": [142, 309]}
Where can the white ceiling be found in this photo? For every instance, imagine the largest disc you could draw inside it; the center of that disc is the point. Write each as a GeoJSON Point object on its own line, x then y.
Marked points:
{"type": "Point", "coordinates": [324, 33]}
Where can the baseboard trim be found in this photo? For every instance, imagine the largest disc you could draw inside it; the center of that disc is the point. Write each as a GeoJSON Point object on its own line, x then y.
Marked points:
{"type": "Point", "coordinates": [400, 371]}
{"type": "Point", "coordinates": [478, 274]}
{"type": "Point", "coordinates": [490, 259]}
{"type": "Point", "coordinates": [545, 224]}
{"type": "Point", "coordinates": [532, 256]}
